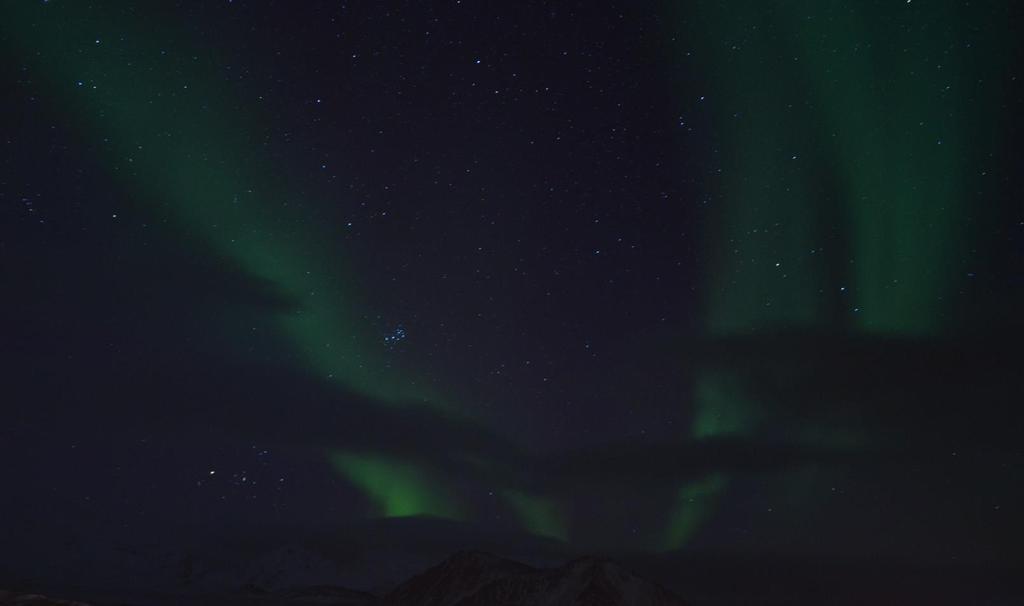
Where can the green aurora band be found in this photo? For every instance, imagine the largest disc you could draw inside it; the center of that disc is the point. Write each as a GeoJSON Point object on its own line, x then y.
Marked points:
{"type": "Point", "coordinates": [397, 488]}
{"type": "Point", "coordinates": [194, 161]}
{"type": "Point", "coordinates": [193, 158]}
{"type": "Point", "coordinates": [885, 93]}
{"type": "Point", "coordinates": [190, 155]}
{"type": "Point", "coordinates": [896, 178]}
{"type": "Point", "coordinates": [541, 516]}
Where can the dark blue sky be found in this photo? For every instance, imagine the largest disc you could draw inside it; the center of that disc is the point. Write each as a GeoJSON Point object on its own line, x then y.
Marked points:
{"type": "Point", "coordinates": [568, 276]}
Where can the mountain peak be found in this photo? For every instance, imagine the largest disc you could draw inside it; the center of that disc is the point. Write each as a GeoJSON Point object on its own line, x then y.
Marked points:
{"type": "Point", "coordinates": [588, 562]}
{"type": "Point", "coordinates": [475, 578]}
{"type": "Point", "coordinates": [473, 557]}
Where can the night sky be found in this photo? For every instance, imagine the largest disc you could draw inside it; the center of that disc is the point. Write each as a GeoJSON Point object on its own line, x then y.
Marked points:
{"type": "Point", "coordinates": [633, 278]}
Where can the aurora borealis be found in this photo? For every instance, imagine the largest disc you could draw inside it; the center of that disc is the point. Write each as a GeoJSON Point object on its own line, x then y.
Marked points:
{"type": "Point", "coordinates": [203, 170]}
{"type": "Point", "coordinates": [684, 278]}
{"type": "Point", "coordinates": [845, 212]}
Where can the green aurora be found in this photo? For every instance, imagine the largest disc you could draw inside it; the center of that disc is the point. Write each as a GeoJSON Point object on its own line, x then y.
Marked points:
{"type": "Point", "coordinates": [396, 487]}
{"type": "Point", "coordinates": [194, 160]}
{"type": "Point", "coordinates": [895, 174]}
{"type": "Point", "coordinates": [191, 157]}
{"type": "Point", "coordinates": [541, 516]}
{"type": "Point", "coordinates": [896, 177]}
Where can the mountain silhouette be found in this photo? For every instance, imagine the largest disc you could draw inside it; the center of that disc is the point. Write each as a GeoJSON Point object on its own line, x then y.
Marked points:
{"type": "Point", "coordinates": [467, 578]}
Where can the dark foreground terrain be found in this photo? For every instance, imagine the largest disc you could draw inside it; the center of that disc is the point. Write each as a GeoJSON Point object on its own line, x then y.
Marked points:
{"type": "Point", "coordinates": [475, 578]}
{"type": "Point", "coordinates": [466, 579]}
